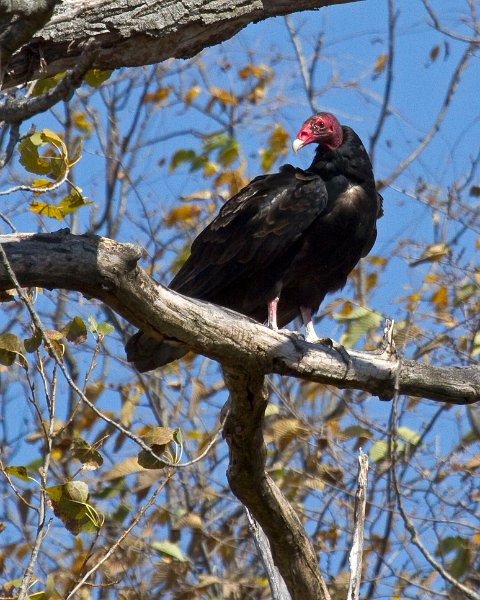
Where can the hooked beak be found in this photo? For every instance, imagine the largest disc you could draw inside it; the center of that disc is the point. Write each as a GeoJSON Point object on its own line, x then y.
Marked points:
{"type": "Point", "coordinates": [297, 144]}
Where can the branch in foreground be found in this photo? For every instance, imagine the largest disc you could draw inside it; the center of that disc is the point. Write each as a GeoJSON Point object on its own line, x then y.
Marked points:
{"type": "Point", "coordinates": [104, 269]}
{"type": "Point", "coordinates": [134, 32]}
{"type": "Point", "coordinates": [291, 548]}
{"type": "Point", "coordinates": [277, 584]}
{"type": "Point", "coordinates": [356, 552]}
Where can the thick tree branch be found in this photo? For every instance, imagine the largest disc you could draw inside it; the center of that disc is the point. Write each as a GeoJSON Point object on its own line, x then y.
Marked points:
{"type": "Point", "coordinates": [107, 270]}
{"type": "Point", "coordinates": [19, 21]}
{"type": "Point", "coordinates": [291, 548]}
{"type": "Point", "coordinates": [133, 32]}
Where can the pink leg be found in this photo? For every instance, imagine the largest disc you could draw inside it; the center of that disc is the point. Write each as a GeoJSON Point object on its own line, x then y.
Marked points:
{"type": "Point", "coordinates": [272, 313]}
{"type": "Point", "coordinates": [310, 334]}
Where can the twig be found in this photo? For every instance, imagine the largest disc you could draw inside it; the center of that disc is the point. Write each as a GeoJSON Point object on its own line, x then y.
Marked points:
{"type": "Point", "coordinates": [16, 110]}
{"type": "Point", "coordinates": [359, 525]}
{"type": "Point", "coordinates": [52, 350]}
{"type": "Point", "coordinates": [307, 82]}
{"type": "Point", "coordinates": [388, 84]}
{"type": "Point", "coordinates": [437, 25]}
{"type": "Point", "coordinates": [409, 526]}
{"type": "Point", "coordinates": [454, 81]}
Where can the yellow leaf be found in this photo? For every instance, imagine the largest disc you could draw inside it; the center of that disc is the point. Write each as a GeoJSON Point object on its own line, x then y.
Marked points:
{"type": "Point", "coordinates": [159, 96]}
{"type": "Point", "coordinates": [192, 93]}
{"type": "Point", "coordinates": [183, 214]}
{"type": "Point", "coordinates": [380, 63]}
{"type": "Point", "coordinates": [279, 140]}
{"type": "Point", "coordinates": [224, 97]}
{"type": "Point", "coordinates": [254, 71]}
{"type": "Point", "coordinates": [372, 279]}
{"type": "Point", "coordinates": [80, 122]}
{"type": "Point", "coordinates": [440, 298]}
{"type": "Point", "coordinates": [42, 184]}
{"type": "Point", "coordinates": [378, 261]}
{"type": "Point", "coordinates": [95, 77]}
{"type": "Point", "coordinates": [432, 253]}
{"type": "Point", "coordinates": [54, 139]}
{"type": "Point", "coordinates": [46, 210]}
{"type": "Point", "coordinates": [210, 168]}
{"type": "Point", "coordinates": [234, 179]}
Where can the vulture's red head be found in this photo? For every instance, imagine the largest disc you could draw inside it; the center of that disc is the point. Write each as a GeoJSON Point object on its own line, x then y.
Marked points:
{"type": "Point", "coordinates": [322, 129]}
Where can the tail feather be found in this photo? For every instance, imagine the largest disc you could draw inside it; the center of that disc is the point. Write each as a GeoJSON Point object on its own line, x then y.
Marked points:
{"type": "Point", "coordinates": [147, 353]}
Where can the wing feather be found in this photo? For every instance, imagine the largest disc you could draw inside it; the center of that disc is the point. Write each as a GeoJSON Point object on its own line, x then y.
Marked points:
{"type": "Point", "coordinates": [252, 230]}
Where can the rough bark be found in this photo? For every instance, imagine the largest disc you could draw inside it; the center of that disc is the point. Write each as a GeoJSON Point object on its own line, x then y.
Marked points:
{"type": "Point", "coordinates": [107, 270]}
{"type": "Point", "coordinates": [134, 32]}
{"type": "Point", "coordinates": [291, 548]}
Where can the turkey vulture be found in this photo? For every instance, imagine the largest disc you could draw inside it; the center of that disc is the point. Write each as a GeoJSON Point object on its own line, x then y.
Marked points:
{"type": "Point", "coordinates": [284, 241]}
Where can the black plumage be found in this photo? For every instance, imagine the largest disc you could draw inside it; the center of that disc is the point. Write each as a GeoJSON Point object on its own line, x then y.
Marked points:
{"type": "Point", "coordinates": [284, 241]}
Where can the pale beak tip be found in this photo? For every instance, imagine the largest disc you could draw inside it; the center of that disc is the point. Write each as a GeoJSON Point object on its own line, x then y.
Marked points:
{"type": "Point", "coordinates": [297, 144]}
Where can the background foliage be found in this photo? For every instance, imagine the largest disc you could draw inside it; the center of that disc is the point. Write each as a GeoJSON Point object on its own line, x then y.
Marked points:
{"type": "Point", "coordinates": [149, 155]}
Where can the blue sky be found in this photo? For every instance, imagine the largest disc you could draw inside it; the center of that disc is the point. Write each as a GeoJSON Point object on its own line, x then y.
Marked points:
{"type": "Point", "coordinates": [354, 38]}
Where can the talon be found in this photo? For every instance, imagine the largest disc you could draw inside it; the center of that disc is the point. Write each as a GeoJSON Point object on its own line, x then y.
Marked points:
{"type": "Point", "coordinates": [333, 345]}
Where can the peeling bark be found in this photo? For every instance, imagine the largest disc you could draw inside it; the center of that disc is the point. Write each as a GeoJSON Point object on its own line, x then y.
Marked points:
{"type": "Point", "coordinates": [131, 33]}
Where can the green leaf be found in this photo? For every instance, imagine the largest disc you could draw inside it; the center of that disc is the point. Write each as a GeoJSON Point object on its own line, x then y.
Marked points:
{"type": "Point", "coordinates": [92, 324]}
{"type": "Point", "coordinates": [181, 156]}
{"type": "Point", "coordinates": [38, 596]}
{"type": "Point", "coordinates": [460, 563]}
{"type": "Point", "coordinates": [463, 292]}
{"type": "Point", "coordinates": [356, 431]}
{"type": "Point", "coordinates": [359, 321]}
{"type": "Point", "coordinates": [212, 142]}
{"type": "Point", "coordinates": [449, 544]}
{"type": "Point", "coordinates": [178, 436]}
{"type": "Point", "coordinates": [157, 439]}
{"type": "Point", "coordinates": [95, 77]}
{"type": "Point", "coordinates": [408, 435]}
{"type": "Point", "coordinates": [18, 471]}
{"type": "Point", "coordinates": [70, 504]}
{"type": "Point", "coordinates": [11, 348]}
{"type": "Point", "coordinates": [104, 328]}
{"type": "Point", "coordinates": [229, 153]}
{"type": "Point", "coordinates": [43, 85]}
{"type": "Point", "coordinates": [30, 158]}
{"type": "Point", "coordinates": [86, 454]}
{"type": "Point", "coordinates": [378, 451]}
{"type": "Point", "coordinates": [75, 331]}
{"type": "Point", "coordinates": [72, 202]}
{"type": "Point", "coordinates": [169, 549]}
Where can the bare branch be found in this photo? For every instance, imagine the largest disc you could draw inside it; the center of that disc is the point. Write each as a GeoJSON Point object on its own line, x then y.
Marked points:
{"type": "Point", "coordinates": [120, 539]}
{"type": "Point", "coordinates": [454, 81]}
{"type": "Point", "coordinates": [277, 585]}
{"type": "Point", "coordinates": [15, 110]}
{"type": "Point", "coordinates": [359, 525]}
{"type": "Point", "coordinates": [409, 526]}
